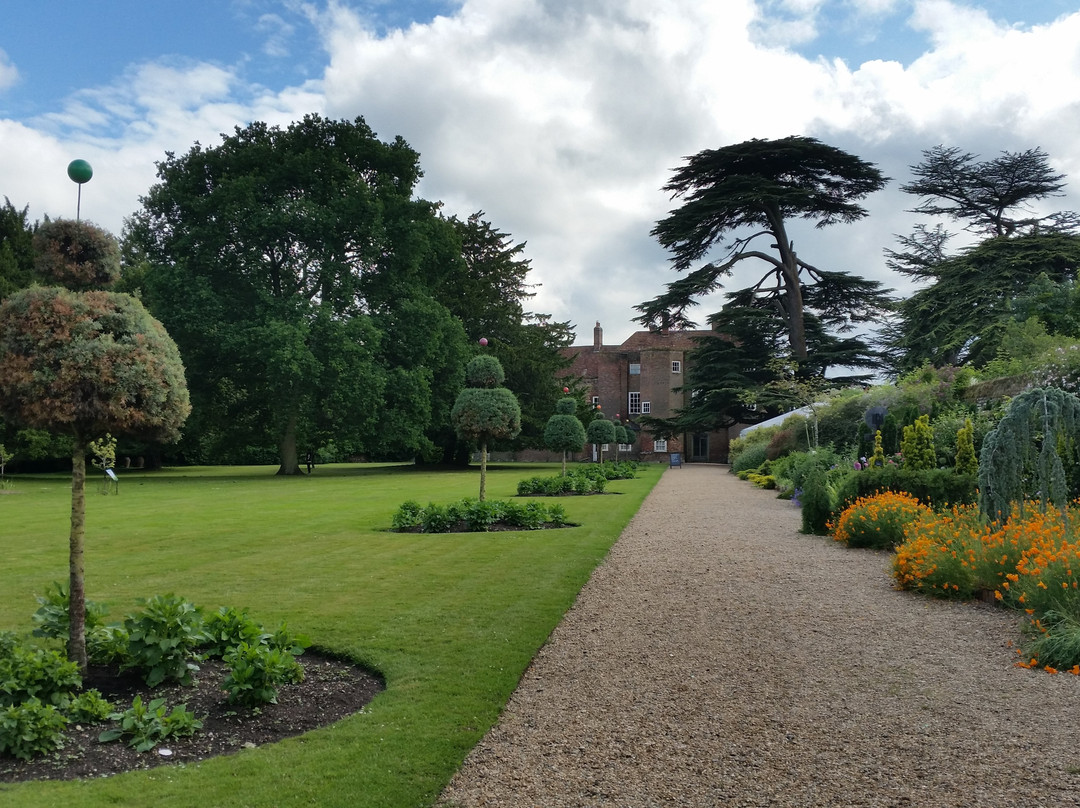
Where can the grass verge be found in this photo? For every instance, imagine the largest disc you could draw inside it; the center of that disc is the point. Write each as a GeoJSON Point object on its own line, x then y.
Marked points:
{"type": "Point", "coordinates": [450, 620]}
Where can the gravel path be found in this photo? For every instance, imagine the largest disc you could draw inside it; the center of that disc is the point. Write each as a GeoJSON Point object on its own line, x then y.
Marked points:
{"type": "Point", "coordinates": [719, 657]}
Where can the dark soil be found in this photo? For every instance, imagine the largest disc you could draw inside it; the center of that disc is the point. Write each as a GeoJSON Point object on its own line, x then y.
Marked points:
{"type": "Point", "coordinates": [331, 690]}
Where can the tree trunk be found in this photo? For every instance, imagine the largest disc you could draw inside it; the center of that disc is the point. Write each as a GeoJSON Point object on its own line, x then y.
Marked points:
{"type": "Point", "coordinates": [290, 461]}
{"type": "Point", "coordinates": [792, 286]}
{"type": "Point", "coordinates": [564, 462]}
{"type": "Point", "coordinates": [483, 469]}
{"type": "Point", "coordinates": [76, 584]}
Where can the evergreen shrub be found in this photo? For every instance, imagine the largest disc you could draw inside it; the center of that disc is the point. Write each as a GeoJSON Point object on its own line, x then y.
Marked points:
{"type": "Point", "coordinates": [817, 503]}
{"type": "Point", "coordinates": [936, 487]}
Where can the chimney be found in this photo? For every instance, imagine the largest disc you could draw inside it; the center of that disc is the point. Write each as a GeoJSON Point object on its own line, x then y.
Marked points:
{"type": "Point", "coordinates": [597, 337]}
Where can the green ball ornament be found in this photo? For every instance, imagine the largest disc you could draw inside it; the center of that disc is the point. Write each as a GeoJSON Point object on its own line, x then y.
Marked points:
{"type": "Point", "coordinates": [80, 171]}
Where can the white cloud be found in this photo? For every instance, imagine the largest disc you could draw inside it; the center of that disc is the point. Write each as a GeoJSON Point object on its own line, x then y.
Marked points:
{"type": "Point", "coordinates": [562, 121]}
{"type": "Point", "coordinates": [9, 74]}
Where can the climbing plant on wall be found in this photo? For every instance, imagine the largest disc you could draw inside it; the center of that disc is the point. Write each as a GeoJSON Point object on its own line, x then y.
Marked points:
{"type": "Point", "coordinates": [1032, 454]}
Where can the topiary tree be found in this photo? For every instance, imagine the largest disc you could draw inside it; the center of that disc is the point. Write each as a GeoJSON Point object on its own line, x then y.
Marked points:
{"type": "Point", "coordinates": [76, 255]}
{"type": "Point", "coordinates": [564, 431]}
{"type": "Point", "coordinates": [966, 462]}
{"type": "Point", "coordinates": [600, 431]}
{"type": "Point", "coordinates": [85, 364]}
{"type": "Point", "coordinates": [877, 460]}
{"type": "Point", "coordinates": [485, 411]}
{"type": "Point", "coordinates": [1025, 456]}
{"type": "Point", "coordinates": [917, 445]}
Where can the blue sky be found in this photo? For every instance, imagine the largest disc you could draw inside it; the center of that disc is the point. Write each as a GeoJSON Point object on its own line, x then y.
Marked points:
{"type": "Point", "coordinates": [561, 119]}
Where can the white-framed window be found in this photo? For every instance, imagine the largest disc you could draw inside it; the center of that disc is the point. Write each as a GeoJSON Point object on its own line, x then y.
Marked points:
{"type": "Point", "coordinates": [676, 366]}
{"type": "Point", "coordinates": [646, 407]}
{"type": "Point", "coordinates": [595, 400]}
{"type": "Point", "coordinates": [635, 403]}
{"type": "Point", "coordinates": [635, 368]}
{"type": "Point", "coordinates": [659, 445]}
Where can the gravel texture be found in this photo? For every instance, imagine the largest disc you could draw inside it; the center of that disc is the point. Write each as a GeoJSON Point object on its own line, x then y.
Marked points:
{"type": "Point", "coordinates": [719, 657]}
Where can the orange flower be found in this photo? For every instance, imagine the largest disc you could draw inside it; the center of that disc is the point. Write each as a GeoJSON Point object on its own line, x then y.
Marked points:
{"type": "Point", "coordinates": [1075, 670]}
{"type": "Point", "coordinates": [1048, 669]}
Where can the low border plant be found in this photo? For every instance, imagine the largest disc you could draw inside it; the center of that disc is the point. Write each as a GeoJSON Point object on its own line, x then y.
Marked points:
{"type": "Point", "coordinates": [474, 516]}
{"type": "Point", "coordinates": [878, 522]}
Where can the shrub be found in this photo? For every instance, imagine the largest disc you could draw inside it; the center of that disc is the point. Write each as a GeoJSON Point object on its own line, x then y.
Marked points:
{"type": "Point", "coordinates": [228, 627]}
{"type": "Point", "coordinates": [816, 504]}
{"type": "Point", "coordinates": [583, 480]}
{"type": "Point", "coordinates": [36, 673]}
{"type": "Point", "coordinates": [479, 516]}
{"type": "Point", "coordinates": [879, 521]}
{"type": "Point", "coordinates": [1027, 561]}
{"type": "Point", "coordinates": [472, 515]}
{"type": "Point", "coordinates": [89, 707]}
{"type": "Point", "coordinates": [30, 728]}
{"type": "Point", "coordinates": [51, 618]}
{"type": "Point", "coordinates": [256, 672]}
{"type": "Point", "coordinates": [529, 516]}
{"type": "Point", "coordinates": [438, 519]}
{"type": "Point", "coordinates": [163, 639]}
{"type": "Point", "coordinates": [917, 445]}
{"type": "Point", "coordinates": [750, 458]}
{"type": "Point", "coordinates": [938, 488]}
{"type": "Point", "coordinates": [409, 514]}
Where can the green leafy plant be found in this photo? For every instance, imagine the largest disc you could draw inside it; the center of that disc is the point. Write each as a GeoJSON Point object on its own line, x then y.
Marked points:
{"type": "Point", "coordinates": [89, 707]}
{"type": "Point", "coordinates": [145, 726]}
{"type": "Point", "coordinates": [409, 514]}
{"type": "Point", "coordinates": [228, 627]}
{"type": "Point", "coordinates": [52, 616]}
{"type": "Point", "coordinates": [36, 673]}
{"type": "Point", "coordinates": [478, 516]}
{"type": "Point", "coordinates": [256, 672]}
{"type": "Point", "coordinates": [163, 639]}
{"type": "Point", "coordinates": [30, 728]}
{"type": "Point", "coordinates": [284, 640]}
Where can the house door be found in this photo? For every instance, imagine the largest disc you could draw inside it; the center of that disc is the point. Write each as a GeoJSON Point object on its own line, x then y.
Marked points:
{"type": "Point", "coordinates": [699, 447]}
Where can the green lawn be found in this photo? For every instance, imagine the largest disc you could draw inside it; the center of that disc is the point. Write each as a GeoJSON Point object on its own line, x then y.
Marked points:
{"type": "Point", "coordinates": [450, 621]}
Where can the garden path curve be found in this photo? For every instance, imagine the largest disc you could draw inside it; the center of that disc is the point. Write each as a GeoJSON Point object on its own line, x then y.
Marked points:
{"type": "Point", "coordinates": [719, 657]}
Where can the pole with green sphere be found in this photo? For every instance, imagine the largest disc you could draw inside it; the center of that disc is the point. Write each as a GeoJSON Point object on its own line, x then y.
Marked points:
{"type": "Point", "coordinates": [79, 171]}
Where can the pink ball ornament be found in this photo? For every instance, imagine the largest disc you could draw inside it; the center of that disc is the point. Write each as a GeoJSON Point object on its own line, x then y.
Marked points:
{"type": "Point", "coordinates": [566, 389]}
{"type": "Point", "coordinates": [483, 342]}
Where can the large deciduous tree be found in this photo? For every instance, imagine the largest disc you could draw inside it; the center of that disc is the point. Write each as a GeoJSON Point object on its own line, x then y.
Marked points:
{"type": "Point", "coordinates": [86, 364]}
{"type": "Point", "coordinates": [287, 262]}
{"type": "Point", "coordinates": [961, 312]}
{"type": "Point", "coordinates": [16, 249]}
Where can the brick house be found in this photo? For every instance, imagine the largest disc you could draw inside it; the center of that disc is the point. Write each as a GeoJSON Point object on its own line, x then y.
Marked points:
{"type": "Point", "coordinates": [638, 378]}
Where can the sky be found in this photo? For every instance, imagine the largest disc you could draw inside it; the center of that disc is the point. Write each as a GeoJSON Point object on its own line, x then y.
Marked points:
{"type": "Point", "coordinates": [560, 119]}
